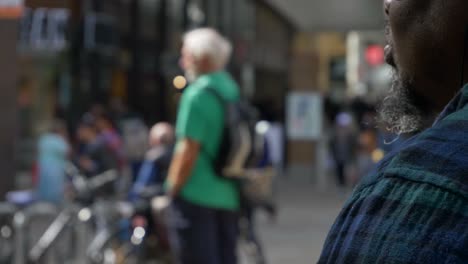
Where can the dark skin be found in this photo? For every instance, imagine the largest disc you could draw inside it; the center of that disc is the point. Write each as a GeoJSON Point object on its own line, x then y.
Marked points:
{"type": "Point", "coordinates": [426, 39]}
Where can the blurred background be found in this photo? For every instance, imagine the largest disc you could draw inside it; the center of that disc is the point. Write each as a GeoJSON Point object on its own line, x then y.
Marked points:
{"type": "Point", "coordinates": [315, 68]}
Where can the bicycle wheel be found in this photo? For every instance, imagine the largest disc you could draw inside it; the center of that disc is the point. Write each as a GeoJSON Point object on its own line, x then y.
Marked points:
{"type": "Point", "coordinates": [7, 235]}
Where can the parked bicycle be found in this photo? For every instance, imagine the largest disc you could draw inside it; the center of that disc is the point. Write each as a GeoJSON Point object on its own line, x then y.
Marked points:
{"type": "Point", "coordinates": [75, 216]}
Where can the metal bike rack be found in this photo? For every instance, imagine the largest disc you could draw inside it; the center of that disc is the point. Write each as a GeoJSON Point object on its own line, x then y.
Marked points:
{"type": "Point", "coordinates": [29, 224]}
{"type": "Point", "coordinates": [7, 234]}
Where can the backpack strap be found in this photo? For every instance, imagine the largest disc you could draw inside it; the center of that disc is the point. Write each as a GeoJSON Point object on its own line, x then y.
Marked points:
{"type": "Point", "coordinates": [216, 94]}
{"type": "Point", "coordinates": [223, 103]}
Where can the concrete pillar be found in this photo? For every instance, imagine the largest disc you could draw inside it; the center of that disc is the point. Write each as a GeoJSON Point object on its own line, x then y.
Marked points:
{"type": "Point", "coordinates": [8, 107]}
{"type": "Point", "coordinates": [302, 154]}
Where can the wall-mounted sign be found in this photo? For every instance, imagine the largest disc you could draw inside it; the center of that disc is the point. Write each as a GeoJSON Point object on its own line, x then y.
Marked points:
{"type": "Point", "coordinates": [11, 9]}
{"type": "Point", "coordinates": [304, 116]}
{"type": "Point", "coordinates": [44, 29]}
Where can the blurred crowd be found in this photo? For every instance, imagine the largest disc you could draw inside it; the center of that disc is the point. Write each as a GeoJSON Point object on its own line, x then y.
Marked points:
{"type": "Point", "coordinates": [103, 140]}
{"type": "Point", "coordinates": [212, 178]}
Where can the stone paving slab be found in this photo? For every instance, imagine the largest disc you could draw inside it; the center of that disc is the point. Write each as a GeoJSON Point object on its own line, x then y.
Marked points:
{"type": "Point", "coordinates": [304, 219]}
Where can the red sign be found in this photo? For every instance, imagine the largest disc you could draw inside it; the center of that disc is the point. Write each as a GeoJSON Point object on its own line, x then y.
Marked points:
{"type": "Point", "coordinates": [11, 9]}
{"type": "Point", "coordinates": [375, 55]}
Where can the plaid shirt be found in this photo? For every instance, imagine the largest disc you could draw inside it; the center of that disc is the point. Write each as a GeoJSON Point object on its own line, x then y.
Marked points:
{"type": "Point", "coordinates": [414, 207]}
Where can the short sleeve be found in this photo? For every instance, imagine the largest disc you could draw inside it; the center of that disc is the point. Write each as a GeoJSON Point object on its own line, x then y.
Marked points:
{"type": "Point", "coordinates": [191, 122]}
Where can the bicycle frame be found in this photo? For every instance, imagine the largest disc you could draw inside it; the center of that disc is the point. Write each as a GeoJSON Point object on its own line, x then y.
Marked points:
{"type": "Point", "coordinates": [50, 235]}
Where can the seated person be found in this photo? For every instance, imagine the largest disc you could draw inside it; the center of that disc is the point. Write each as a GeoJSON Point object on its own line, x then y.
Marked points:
{"type": "Point", "coordinates": [154, 169]}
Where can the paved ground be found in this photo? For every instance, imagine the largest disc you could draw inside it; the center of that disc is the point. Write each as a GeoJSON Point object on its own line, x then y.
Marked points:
{"type": "Point", "coordinates": [305, 216]}
{"type": "Point", "coordinates": [304, 219]}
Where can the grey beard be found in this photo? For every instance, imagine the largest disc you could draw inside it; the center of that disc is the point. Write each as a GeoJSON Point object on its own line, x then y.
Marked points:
{"type": "Point", "coordinates": [399, 110]}
{"type": "Point", "coordinates": [191, 75]}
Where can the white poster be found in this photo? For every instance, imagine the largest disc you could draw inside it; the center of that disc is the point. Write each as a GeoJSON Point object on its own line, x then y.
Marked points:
{"type": "Point", "coordinates": [304, 116]}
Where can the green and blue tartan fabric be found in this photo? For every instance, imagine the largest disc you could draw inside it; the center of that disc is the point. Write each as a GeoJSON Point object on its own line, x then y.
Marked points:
{"type": "Point", "coordinates": [414, 207]}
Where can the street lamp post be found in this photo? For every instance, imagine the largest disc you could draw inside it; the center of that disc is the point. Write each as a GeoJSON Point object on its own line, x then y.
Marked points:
{"type": "Point", "coordinates": [8, 107]}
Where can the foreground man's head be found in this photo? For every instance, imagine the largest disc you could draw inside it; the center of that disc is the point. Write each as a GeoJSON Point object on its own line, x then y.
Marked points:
{"type": "Point", "coordinates": [413, 206]}
{"type": "Point", "coordinates": [426, 46]}
{"type": "Point", "coordinates": [204, 51]}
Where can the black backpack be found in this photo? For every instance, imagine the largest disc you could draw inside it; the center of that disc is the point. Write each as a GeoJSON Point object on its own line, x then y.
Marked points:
{"type": "Point", "coordinates": [242, 145]}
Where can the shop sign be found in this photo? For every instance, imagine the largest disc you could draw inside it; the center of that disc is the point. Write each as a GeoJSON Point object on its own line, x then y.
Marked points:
{"type": "Point", "coordinates": [304, 116]}
{"type": "Point", "coordinates": [11, 9]}
{"type": "Point", "coordinates": [44, 29]}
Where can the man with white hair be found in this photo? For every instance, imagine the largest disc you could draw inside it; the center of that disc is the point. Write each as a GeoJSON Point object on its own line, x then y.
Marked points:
{"type": "Point", "coordinates": [154, 169]}
{"type": "Point", "coordinates": [205, 203]}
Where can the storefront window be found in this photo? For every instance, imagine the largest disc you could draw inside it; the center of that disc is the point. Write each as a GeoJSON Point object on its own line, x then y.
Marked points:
{"type": "Point", "coordinates": [42, 45]}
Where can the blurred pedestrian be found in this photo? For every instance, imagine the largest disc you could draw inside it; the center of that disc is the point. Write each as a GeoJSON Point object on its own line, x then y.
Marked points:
{"type": "Point", "coordinates": [95, 157]}
{"type": "Point", "coordinates": [275, 139]}
{"type": "Point", "coordinates": [343, 146]}
{"type": "Point", "coordinates": [134, 135]}
{"type": "Point", "coordinates": [53, 154]}
{"type": "Point", "coordinates": [206, 205]}
{"type": "Point", "coordinates": [155, 167]}
{"type": "Point", "coordinates": [110, 137]}
{"type": "Point", "coordinates": [413, 208]}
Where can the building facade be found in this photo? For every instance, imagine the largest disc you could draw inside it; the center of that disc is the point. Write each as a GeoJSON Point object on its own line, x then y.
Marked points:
{"type": "Point", "coordinates": [74, 54]}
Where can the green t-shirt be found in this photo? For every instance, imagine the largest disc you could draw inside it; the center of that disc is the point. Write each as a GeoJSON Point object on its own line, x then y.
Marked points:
{"type": "Point", "coordinates": [201, 118]}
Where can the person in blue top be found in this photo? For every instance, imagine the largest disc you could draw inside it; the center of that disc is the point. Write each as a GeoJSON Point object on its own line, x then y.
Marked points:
{"type": "Point", "coordinates": [53, 154]}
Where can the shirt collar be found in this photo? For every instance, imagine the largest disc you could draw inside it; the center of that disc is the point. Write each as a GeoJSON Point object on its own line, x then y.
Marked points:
{"type": "Point", "coordinates": [457, 103]}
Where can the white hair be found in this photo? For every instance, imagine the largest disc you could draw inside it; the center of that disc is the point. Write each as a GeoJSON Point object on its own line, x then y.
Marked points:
{"type": "Point", "coordinates": [162, 132]}
{"type": "Point", "coordinates": [208, 42]}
